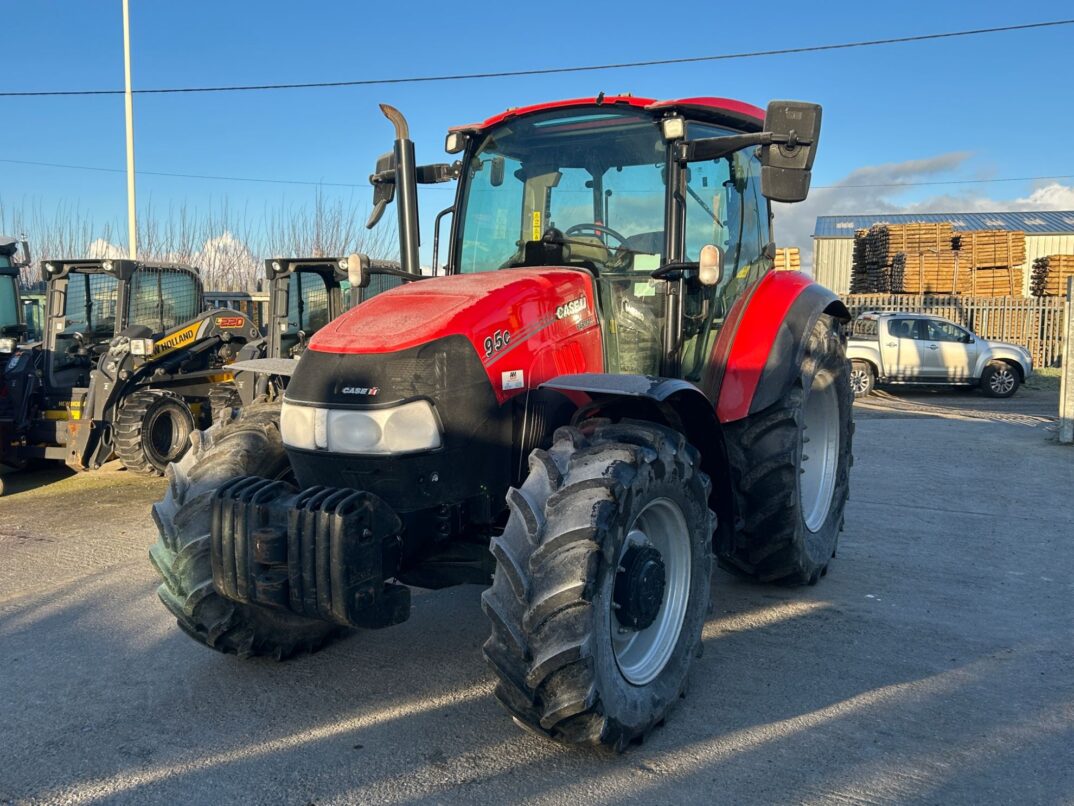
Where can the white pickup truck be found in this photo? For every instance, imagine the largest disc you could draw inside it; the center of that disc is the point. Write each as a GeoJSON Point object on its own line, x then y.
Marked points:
{"type": "Point", "coordinates": [916, 348]}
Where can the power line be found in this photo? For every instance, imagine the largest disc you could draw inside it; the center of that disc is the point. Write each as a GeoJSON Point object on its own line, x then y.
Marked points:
{"type": "Point", "coordinates": [366, 186]}
{"type": "Point", "coordinates": [557, 70]}
{"type": "Point", "coordinates": [187, 176]}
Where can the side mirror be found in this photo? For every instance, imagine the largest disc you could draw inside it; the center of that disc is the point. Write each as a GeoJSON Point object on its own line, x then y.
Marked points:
{"type": "Point", "coordinates": [25, 253]}
{"type": "Point", "coordinates": [357, 270]}
{"type": "Point", "coordinates": [383, 181]}
{"type": "Point", "coordinates": [710, 265]}
{"type": "Point", "coordinates": [786, 163]}
{"type": "Point", "coordinates": [496, 177]}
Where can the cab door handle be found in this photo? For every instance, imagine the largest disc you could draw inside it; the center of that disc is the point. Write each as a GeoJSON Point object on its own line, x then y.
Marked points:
{"type": "Point", "coordinates": [892, 344]}
{"type": "Point", "coordinates": [933, 347]}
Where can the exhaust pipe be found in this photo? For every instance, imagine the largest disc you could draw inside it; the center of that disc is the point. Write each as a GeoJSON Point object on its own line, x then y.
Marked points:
{"type": "Point", "coordinates": [406, 185]}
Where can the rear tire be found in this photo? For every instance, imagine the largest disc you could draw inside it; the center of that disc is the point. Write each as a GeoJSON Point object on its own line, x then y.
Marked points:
{"type": "Point", "coordinates": [152, 430]}
{"type": "Point", "coordinates": [223, 400]}
{"type": "Point", "coordinates": [790, 465]}
{"type": "Point", "coordinates": [250, 445]}
{"type": "Point", "coordinates": [999, 379]}
{"type": "Point", "coordinates": [589, 647]}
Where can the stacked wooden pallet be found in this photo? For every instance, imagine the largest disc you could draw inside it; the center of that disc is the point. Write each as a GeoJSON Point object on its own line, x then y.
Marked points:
{"type": "Point", "coordinates": [1050, 275]}
{"type": "Point", "coordinates": [788, 258]}
{"type": "Point", "coordinates": [983, 249]}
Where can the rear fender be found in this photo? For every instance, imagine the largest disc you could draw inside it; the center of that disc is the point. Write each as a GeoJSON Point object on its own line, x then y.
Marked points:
{"type": "Point", "coordinates": [675, 403]}
{"type": "Point", "coordinates": [763, 347]}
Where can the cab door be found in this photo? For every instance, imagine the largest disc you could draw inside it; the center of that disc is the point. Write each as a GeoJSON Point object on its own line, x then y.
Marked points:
{"type": "Point", "coordinates": [901, 349]}
{"type": "Point", "coordinates": [952, 351]}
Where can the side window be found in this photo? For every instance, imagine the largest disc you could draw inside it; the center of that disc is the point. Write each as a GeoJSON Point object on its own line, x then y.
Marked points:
{"type": "Point", "coordinates": [864, 328]}
{"type": "Point", "coordinates": [902, 328]}
{"type": "Point", "coordinates": [946, 331]}
{"type": "Point", "coordinates": [9, 312]}
{"type": "Point", "coordinates": [162, 299]}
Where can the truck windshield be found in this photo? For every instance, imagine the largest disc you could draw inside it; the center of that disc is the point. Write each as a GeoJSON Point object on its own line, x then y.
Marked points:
{"type": "Point", "coordinates": [591, 181]}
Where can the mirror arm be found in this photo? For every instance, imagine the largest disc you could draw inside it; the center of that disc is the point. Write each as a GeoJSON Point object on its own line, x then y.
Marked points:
{"type": "Point", "coordinates": [711, 148]}
{"type": "Point", "coordinates": [666, 271]}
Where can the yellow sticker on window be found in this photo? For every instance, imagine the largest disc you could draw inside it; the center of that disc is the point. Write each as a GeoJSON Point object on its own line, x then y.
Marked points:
{"type": "Point", "coordinates": [536, 226]}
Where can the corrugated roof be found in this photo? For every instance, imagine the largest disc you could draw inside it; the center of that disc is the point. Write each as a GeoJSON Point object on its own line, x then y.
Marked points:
{"type": "Point", "coordinates": [1049, 222]}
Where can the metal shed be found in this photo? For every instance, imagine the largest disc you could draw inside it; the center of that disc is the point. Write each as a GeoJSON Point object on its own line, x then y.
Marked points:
{"type": "Point", "coordinates": [1047, 233]}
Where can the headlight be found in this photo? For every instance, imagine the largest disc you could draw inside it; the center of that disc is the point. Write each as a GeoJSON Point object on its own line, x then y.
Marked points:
{"type": "Point", "coordinates": [402, 429]}
{"type": "Point", "coordinates": [142, 346]}
{"type": "Point", "coordinates": [8, 345]}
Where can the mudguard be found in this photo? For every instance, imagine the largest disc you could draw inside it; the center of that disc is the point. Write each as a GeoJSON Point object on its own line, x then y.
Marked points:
{"type": "Point", "coordinates": [678, 403]}
{"type": "Point", "coordinates": [759, 350]}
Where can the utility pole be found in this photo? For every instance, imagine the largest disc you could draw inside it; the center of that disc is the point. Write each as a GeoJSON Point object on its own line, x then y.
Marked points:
{"type": "Point", "coordinates": [132, 218]}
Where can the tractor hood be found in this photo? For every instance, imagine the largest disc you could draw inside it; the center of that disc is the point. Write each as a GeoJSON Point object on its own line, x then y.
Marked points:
{"type": "Point", "coordinates": [524, 325]}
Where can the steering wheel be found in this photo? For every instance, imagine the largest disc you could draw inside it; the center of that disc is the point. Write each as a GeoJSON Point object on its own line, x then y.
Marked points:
{"type": "Point", "coordinates": [596, 229]}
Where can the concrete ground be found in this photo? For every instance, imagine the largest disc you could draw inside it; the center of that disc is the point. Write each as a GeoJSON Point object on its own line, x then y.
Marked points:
{"type": "Point", "coordinates": [933, 664]}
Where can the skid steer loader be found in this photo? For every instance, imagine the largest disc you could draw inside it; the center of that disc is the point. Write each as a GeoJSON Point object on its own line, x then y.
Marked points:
{"type": "Point", "coordinates": [128, 366]}
{"type": "Point", "coordinates": [608, 391]}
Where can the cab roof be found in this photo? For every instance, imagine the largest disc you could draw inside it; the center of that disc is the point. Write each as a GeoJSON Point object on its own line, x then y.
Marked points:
{"type": "Point", "coordinates": [725, 111]}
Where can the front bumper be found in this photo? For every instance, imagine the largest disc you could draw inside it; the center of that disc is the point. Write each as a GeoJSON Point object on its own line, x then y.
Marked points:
{"type": "Point", "coordinates": [322, 553]}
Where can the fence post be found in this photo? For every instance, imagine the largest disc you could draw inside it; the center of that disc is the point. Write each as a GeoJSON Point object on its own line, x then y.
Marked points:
{"type": "Point", "coordinates": [1066, 380]}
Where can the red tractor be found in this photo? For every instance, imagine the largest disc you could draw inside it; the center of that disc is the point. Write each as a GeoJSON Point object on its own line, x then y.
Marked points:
{"type": "Point", "coordinates": [604, 390]}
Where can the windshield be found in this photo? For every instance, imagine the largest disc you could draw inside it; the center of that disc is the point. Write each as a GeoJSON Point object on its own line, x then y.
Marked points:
{"type": "Point", "coordinates": [90, 306]}
{"type": "Point", "coordinates": [9, 311]}
{"type": "Point", "coordinates": [589, 185]}
{"type": "Point", "coordinates": [307, 303]}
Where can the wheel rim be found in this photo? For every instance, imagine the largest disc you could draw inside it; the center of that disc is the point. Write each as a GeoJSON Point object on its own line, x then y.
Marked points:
{"type": "Point", "coordinates": [659, 529]}
{"type": "Point", "coordinates": [1002, 381]}
{"type": "Point", "coordinates": [820, 451]}
{"type": "Point", "coordinates": [859, 380]}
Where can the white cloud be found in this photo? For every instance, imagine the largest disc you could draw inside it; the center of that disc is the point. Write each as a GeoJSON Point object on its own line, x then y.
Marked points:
{"type": "Point", "coordinates": [102, 249]}
{"type": "Point", "coordinates": [794, 223]}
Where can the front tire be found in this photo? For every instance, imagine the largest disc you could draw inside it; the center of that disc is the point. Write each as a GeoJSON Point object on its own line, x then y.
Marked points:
{"type": "Point", "coordinates": [152, 430]}
{"type": "Point", "coordinates": [999, 379]}
{"type": "Point", "coordinates": [862, 378]}
{"type": "Point", "coordinates": [602, 583]}
{"type": "Point", "coordinates": [790, 465]}
{"type": "Point", "coordinates": [249, 445]}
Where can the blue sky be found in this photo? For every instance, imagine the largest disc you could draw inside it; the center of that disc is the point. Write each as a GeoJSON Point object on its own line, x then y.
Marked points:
{"type": "Point", "coordinates": [977, 107]}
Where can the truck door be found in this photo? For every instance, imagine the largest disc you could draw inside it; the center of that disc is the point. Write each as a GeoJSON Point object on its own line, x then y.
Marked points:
{"type": "Point", "coordinates": [951, 351]}
{"type": "Point", "coordinates": [899, 349]}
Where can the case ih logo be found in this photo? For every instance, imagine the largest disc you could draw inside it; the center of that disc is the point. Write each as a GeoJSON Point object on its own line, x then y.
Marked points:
{"type": "Point", "coordinates": [571, 308]}
{"type": "Point", "coordinates": [368, 391]}
{"type": "Point", "coordinates": [229, 322]}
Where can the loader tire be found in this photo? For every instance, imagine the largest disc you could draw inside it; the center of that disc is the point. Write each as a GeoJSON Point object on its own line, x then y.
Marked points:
{"type": "Point", "coordinates": [152, 430]}
{"type": "Point", "coordinates": [602, 583]}
{"type": "Point", "coordinates": [223, 400]}
{"type": "Point", "coordinates": [249, 445]}
{"type": "Point", "coordinates": [790, 469]}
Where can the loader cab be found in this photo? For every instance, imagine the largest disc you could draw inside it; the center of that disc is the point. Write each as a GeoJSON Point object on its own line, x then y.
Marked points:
{"type": "Point", "coordinates": [90, 302]}
{"type": "Point", "coordinates": [615, 187]}
{"type": "Point", "coordinates": [12, 325]}
{"type": "Point", "coordinates": [306, 294]}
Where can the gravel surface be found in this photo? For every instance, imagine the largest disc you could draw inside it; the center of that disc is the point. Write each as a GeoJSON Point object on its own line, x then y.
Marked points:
{"type": "Point", "coordinates": [933, 664]}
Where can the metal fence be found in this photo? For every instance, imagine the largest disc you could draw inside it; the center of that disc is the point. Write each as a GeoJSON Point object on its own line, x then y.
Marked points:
{"type": "Point", "coordinates": [1036, 323]}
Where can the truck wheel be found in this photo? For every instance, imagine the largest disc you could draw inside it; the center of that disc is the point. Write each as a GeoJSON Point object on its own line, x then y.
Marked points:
{"type": "Point", "coordinates": [999, 379]}
{"type": "Point", "coordinates": [602, 583]}
{"type": "Point", "coordinates": [246, 446]}
{"type": "Point", "coordinates": [862, 378]}
{"type": "Point", "coordinates": [790, 467]}
{"type": "Point", "coordinates": [152, 430]}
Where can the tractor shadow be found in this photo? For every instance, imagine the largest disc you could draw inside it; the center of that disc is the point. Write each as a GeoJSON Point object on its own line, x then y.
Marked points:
{"type": "Point", "coordinates": [113, 702]}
